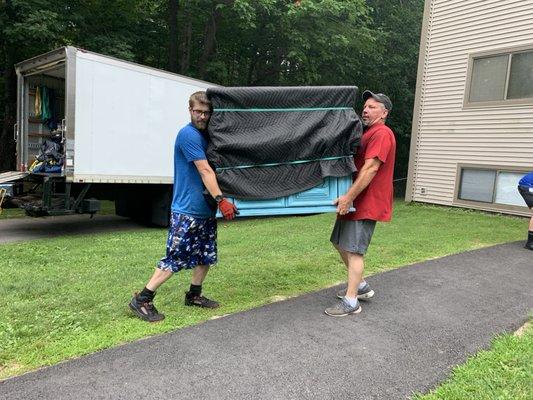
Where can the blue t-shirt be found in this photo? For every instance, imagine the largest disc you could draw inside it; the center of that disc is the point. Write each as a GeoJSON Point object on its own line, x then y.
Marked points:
{"type": "Point", "coordinates": [188, 195]}
{"type": "Point", "coordinates": [527, 180]}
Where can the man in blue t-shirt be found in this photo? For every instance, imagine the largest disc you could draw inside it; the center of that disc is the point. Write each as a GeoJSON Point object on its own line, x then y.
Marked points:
{"type": "Point", "coordinates": [525, 187]}
{"type": "Point", "coordinates": [192, 234]}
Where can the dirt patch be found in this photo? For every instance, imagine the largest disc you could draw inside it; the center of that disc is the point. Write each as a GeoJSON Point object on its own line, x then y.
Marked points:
{"type": "Point", "coordinates": [219, 316]}
{"type": "Point", "coordinates": [520, 331]}
{"type": "Point", "coordinates": [8, 370]}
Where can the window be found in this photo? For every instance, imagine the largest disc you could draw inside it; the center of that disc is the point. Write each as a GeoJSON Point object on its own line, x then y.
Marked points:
{"type": "Point", "coordinates": [477, 185]}
{"type": "Point", "coordinates": [488, 78]}
{"type": "Point", "coordinates": [500, 78]}
{"type": "Point", "coordinates": [490, 186]}
{"type": "Point", "coordinates": [506, 189]}
{"type": "Point", "coordinates": [521, 76]}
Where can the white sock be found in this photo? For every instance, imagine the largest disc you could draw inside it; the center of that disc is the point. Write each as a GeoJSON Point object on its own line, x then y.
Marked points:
{"type": "Point", "coordinates": [362, 284]}
{"type": "Point", "coordinates": [352, 301]}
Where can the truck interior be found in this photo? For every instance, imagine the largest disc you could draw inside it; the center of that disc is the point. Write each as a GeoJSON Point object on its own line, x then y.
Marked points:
{"type": "Point", "coordinates": [43, 126]}
{"type": "Point", "coordinates": [42, 189]}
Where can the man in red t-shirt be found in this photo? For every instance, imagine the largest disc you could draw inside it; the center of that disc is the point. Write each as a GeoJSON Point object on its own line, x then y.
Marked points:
{"type": "Point", "coordinates": [371, 197]}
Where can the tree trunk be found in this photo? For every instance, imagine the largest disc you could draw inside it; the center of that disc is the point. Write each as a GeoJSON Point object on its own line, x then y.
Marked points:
{"type": "Point", "coordinates": [251, 67]}
{"type": "Point", "coordinates": [7, 144]}
{"type": "Point", "coordinates": [256, 57]}
{"type": "Point", "coordinates": [173, 35]}
{"type": "Point", "coordinates": [210, 37]}
{"type": "Point", "coordinates": [209, 43]}
{"type": "Point", "coordinates": [185, 42]}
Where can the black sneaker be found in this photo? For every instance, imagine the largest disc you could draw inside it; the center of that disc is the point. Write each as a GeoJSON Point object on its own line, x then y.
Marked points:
{"type": "Point", "coordinates": [199, 301]}
{"type": "Point", "coordinates": [529, 245]}
{"type": "Point", "coordinates": [145, 310]}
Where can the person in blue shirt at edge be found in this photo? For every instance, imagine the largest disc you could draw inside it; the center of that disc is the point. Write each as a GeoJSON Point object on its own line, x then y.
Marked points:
{"type": "Point", "coordinates": [192, 234]}
{"type": "Point", "coordinates": [525, 187]}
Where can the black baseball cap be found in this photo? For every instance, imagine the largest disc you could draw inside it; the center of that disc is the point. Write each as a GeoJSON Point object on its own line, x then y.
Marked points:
{"type": "Point", "coordinates": [382, 98]}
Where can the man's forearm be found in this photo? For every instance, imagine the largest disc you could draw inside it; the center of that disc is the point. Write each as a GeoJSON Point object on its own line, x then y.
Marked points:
{"type": "Point", "coordinates": [364, 177]}
{"type": "Point", "coordinates": [210, 182]}
{"type": "Point", "coordinates": [208, 177]}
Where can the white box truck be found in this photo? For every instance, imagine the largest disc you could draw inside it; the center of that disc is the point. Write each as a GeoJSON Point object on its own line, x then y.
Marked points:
{"type": "Point", "coordinates": [116, 123]}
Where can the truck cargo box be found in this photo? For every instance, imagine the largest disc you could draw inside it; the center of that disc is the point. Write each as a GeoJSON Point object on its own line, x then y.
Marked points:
{"type": "Point", "coordinates": [118, 119]}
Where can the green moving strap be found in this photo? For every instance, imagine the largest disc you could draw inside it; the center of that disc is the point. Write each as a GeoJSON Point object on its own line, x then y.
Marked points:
{"type": "Point", "coordinates": [282, 163]}
{"type": "Point", "coordinates": [280, 109]}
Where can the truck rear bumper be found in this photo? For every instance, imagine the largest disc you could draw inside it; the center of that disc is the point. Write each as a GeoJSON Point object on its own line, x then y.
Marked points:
{"type": "Point", "coordinates": [11, 176]}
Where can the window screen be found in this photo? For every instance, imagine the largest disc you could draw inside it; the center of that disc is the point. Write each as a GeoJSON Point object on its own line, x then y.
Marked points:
{"type": "Point", "coordinates": [521, 76]}
{"type": "Point", "coordinates": [506, 189]}
{"type": "Point", "coordinates": [477, 185]}
{"type": "Point", "coordinates": [488, 78]}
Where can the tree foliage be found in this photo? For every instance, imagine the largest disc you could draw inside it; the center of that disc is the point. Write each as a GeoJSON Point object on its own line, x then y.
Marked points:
{"type": "Point", "coordinates": [369, 43]}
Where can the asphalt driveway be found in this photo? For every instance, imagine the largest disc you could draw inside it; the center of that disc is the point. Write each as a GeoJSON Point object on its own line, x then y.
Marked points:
{"type": "Point", "coordinates": [23, 229]}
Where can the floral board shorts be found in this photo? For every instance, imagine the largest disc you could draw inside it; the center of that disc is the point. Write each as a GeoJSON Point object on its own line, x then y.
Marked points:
{"type": "Point", "coordinates": [191, 242]}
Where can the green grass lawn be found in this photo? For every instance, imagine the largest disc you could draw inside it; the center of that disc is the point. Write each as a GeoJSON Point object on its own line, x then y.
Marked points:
{"type": "Point", "coordinates": [505, 372]}
{"type": "Point", "coordinates": [12, 213]}
{"type": "Point", "coordinates": [66, 297]}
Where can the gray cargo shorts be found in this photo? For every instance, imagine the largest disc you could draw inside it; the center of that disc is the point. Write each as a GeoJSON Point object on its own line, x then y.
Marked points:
{"type": "Point", "coordinates": [353, 236]}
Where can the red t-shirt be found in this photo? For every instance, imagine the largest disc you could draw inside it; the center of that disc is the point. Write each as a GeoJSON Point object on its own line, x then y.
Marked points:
{"type": "Point", "coordinates": [375, 202]}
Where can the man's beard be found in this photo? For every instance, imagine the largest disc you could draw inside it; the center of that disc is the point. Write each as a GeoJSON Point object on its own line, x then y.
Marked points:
{"type": "Point", "coordinates": [369, 123]}
{"type": "Point", "coordinates": [201, 126]}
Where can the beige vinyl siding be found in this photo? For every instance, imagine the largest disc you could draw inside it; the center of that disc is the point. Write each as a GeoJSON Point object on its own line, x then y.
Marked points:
{"type": "Point", "coordinates": [446, 133]}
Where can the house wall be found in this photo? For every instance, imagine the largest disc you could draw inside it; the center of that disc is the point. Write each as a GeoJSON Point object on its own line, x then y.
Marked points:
{"type": "Point", "coordinates": [448, 133]}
